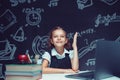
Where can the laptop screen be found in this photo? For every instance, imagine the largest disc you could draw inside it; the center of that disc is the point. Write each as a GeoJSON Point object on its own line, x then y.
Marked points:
{"type": "Point", "coordinates": [107, 59]}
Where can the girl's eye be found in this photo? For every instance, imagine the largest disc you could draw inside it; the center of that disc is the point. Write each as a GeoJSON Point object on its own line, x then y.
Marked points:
{"type": "Point", "coordinates": [54, 36]}
{"type": "Point", "coordinates": [62, 36]}
{"type": "Point", "coordinates": [58, 36]}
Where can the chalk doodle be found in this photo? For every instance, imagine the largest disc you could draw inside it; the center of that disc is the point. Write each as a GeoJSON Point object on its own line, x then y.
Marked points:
{"type": "Point", "coordinates": [90, 62]}
{"type": "Point", "coordinates": [7, 19]}
{"type": "Point", "coordinates": [106, 20]}
{"type": "Point", "coordinates": [109, 2]}
{"type": "Point", "coordinates": [16, 2]}
{"type": "Point", "coordinates": [84, 4]}
{"type": "Point", "coordinates": [7, 50]}
{"type": "Point", "coordinates": [84, 50]}
{"type": "Point", "coordinates": [70, 35]}
{"type": "Point", "coordinates": [19, 35]}
{"type": "Point", "coordinates": [33, 17]}
{"type": "Point", "coordinates": [86, 41]}
{"type": "Point", "coordinates": [53, 3]}
{"type": "Point", "coordinates": [39, 44]}
{"type": "Point", "coordinates": [80, 34]}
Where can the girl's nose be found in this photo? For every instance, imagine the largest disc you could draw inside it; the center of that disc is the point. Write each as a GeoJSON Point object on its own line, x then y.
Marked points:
{"type": "Point", "coordinates": [59, 37]}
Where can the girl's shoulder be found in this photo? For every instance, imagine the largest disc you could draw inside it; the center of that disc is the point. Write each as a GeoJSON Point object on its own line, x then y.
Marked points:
{"type": "Point", "coordinates": [46, 55]}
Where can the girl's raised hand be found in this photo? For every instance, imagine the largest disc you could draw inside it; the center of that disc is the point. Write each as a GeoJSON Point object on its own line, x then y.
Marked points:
{"type": "Point", "coordinates": [74, 45]}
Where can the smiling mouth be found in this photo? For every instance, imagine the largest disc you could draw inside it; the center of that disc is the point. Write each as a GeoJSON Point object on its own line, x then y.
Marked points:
{"type": "Point", "coordinates": [59, 42]}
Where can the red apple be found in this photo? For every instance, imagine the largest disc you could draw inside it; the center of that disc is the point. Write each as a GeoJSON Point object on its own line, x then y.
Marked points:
{"type": "Point", "coordinates": [23, 58]}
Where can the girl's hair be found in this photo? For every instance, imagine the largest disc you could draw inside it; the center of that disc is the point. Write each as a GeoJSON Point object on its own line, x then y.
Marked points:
{"type": "Point", "coordinates": [50, 45]}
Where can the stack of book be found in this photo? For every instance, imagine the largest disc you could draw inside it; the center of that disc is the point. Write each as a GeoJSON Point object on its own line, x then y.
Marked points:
{"type": "Point", "coordinates": [23, 72]}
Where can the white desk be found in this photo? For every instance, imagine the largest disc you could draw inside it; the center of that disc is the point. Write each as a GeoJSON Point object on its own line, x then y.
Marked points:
{"type": "Point", "coordinates": [62, 77]}
{"type": "Point", "coordinates": [57, 76]}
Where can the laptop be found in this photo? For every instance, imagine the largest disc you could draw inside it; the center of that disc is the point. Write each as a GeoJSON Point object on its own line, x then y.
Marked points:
{"type": "Point", "coordinates": [107, 64]}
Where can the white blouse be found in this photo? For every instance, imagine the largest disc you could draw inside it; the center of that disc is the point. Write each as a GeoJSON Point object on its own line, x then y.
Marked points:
{"type": "Point", "coordinates": [47, 56]}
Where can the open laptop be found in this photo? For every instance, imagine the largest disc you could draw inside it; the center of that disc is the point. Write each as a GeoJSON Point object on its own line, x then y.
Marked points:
{"type": "Point", "coordinates": [107, 62]}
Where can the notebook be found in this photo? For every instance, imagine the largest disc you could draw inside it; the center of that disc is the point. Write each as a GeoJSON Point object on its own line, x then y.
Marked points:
{"type": "Point", "coordinates": [107, 64]}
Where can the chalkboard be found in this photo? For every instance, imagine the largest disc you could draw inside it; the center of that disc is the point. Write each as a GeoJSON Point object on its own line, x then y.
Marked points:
{"type": "Point", "coordinates": [24, 26]}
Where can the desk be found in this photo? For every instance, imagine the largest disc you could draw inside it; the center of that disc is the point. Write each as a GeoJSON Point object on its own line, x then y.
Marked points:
{"type": "Point", "coordinates": [55, 77]}
{"type": "Point", "coordinates": [58, 76]}
{"type": "Point", "coordinates": [62, 77]}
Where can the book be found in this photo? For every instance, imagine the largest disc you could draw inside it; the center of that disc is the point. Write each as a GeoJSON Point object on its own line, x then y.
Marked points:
{"type": "Point", "coordinates": [23, 67]}
{"type": "Point", "coordinates": [13, 77]}
{"type": "Point", "coordinates": [23, 73]}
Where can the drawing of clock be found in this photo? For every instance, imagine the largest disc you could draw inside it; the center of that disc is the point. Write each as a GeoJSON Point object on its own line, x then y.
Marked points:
{"type": "Point", "coordinates": [33, 18]}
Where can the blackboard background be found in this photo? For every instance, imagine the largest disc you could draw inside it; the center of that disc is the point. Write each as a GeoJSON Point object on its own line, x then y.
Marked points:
{"type": "Point", "coordinates": [66, 14]}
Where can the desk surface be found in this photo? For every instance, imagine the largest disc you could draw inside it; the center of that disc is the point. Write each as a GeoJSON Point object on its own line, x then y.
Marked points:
{"type": "Point", "coordinates": [62, 77]}
{"type": "Point", "coordinates": [58, 76]}
{"type": "Point", "coordinates": [55, 77]}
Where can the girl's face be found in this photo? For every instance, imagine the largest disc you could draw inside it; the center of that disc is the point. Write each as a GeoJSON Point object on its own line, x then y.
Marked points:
{"type": "Point", "coordinates": [59, 38]}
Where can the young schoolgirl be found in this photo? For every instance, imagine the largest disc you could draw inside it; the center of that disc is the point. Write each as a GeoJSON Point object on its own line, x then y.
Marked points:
{"type": "Point", "coordinates": [59, 59]}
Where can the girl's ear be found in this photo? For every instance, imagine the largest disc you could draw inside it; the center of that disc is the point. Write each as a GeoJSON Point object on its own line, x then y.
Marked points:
{"type": "Point", "coordinates": [66, 40]}
{"type": "Point", "coordinates": [51, 41]}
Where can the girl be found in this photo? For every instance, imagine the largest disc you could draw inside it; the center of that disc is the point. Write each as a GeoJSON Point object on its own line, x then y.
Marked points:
{"type": "Point", "coordinates": [59, 59]}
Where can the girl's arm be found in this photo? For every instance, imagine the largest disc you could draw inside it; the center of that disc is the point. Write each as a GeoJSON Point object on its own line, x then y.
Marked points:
{"type": "Point", "coordinates": [46, 69]}
{"type": "Point", "coordinates": [75, 59]}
